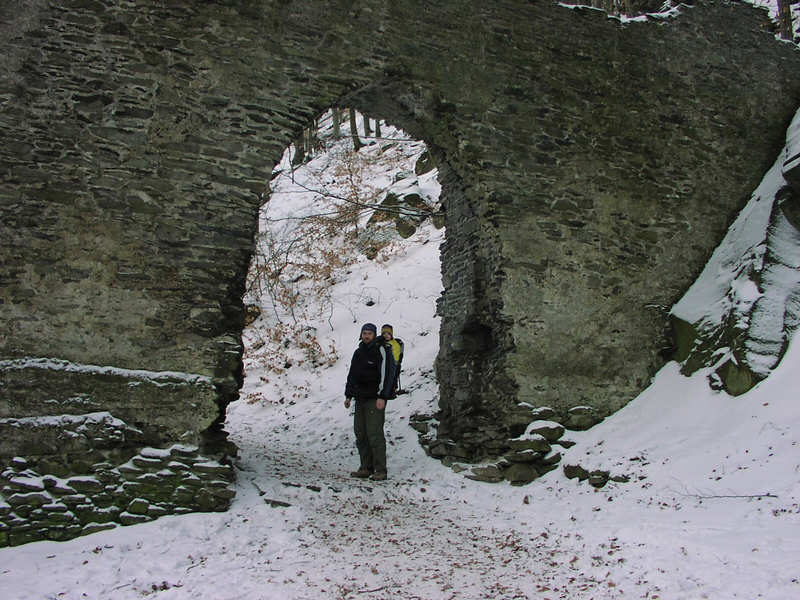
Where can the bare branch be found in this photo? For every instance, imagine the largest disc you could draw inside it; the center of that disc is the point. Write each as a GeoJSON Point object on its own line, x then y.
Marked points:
{"type": "Point", "coordinates": [746, 496]}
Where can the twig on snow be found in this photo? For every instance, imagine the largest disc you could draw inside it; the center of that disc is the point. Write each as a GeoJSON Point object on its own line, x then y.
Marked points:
{"type": "Point", "coordinates": [378, 589]}
{"type": "Point", "coordinates": [749, 496]}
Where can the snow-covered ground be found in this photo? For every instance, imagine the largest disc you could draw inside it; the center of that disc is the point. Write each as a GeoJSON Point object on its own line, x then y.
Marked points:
{"type": "Point", "coordinates": [712, 508]}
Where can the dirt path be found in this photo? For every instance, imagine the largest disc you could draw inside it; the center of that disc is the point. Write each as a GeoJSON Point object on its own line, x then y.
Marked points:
{"type": "Point", "coordinates": [410, 537]}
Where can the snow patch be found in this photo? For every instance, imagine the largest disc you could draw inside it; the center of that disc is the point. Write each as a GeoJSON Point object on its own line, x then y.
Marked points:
{"type": "Point", "coordinates": [53, 364]}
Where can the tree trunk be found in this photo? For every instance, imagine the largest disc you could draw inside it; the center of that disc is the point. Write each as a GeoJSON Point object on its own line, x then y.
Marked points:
{"type": "Point", "coordinates": [377, 128]}
{"type": "Point", "coordinates": [337, 124]}
{"type": "Point", "coordinates": [299, 149]}
{"type": "Point", "coordinates": [367, 130]}
{"type": "Point", "coordinates": [354, 131]}
{"type": "Point", "coordinates": [309, 143]}
{"type": "Point", "coordinates": [785, 19]}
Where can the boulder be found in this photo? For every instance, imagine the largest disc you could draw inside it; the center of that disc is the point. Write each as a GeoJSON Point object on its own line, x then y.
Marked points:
{"type": "Point", "coordinates": [598, 478]}
{"type": "Point", "coordinates": [487, 474]}
{"type": "Point", "coordinates": [575, 472]}
{"type": "Point", "coordinates": [424, 164]}
{"type": "Point", "coordinates": [549, 430]}
{"type": "Point", "coordinates": [581, 417]}
{"type": "Point", "coordinates": [521, 473]}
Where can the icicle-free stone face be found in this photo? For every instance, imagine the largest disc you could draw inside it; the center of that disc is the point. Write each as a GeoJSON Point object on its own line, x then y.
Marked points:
{"type": "Point", "coordinates": [588, 169]}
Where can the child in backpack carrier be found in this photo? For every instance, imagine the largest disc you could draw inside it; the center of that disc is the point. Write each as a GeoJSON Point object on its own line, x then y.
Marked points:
{"type": "Point", "coordinates": [397, 347]}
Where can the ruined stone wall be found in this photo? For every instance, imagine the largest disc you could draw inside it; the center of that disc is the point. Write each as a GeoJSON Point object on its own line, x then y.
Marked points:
{"type": "Point", "coordinates": [605, 172]}
{"type": "Point", "coordinates": [576, 155]}
{"type": "Point", "coordinates": [137, 139]}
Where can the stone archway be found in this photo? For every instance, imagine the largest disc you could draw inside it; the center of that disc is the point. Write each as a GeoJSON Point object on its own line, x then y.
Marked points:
{"type": "Point", "coordinates": [581, 157]}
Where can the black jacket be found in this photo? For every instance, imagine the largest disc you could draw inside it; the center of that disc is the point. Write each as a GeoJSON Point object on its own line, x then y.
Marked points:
{"type": "Point", "coordinates": [371, 372]}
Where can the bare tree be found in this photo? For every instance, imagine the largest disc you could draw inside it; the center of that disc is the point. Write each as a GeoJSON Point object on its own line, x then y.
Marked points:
{"type": "Point", "coordinates": [367, 129]}
{"type": "Point", "coordinates": [354, 131]}
{"type": "Point", "coordinates": [299, 149]}
{"type": "Point", "coordinates": [785, 19]}
{"type": "Point", "coordinates": [337, 124]}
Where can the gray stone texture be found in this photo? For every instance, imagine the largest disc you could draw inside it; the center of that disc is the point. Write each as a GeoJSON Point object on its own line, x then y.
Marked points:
{"type": "Point", "coordinates": [588, 169]}
{"type": "Point", "coordinates": [150, 484]}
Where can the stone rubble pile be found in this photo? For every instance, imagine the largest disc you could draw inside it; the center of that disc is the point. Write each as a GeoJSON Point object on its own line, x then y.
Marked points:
{"type": "Point", "coordinates": [596, 478]}
{"type": "Point", "coordinates": [519, 460]}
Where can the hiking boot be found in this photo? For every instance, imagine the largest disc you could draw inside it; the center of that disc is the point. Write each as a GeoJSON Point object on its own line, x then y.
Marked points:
{"type": "Point", "coordinates": [361, 473]}
{"type": "Point", "coordinates": [379, 476]}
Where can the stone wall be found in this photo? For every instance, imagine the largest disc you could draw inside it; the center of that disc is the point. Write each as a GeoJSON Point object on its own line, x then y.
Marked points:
{"type": "Point", "coordinates": [606, 174]}
{"type": "Point", "coordinates": [82, 496]}
{"type": "Point", "coordinates": [577, 158]}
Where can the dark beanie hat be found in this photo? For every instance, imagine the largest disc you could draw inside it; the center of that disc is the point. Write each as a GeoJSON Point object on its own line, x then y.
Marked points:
{"type": "Point", "coordinates": [387, 327]}
{"type": "Point", "coordinates": [369, 327]}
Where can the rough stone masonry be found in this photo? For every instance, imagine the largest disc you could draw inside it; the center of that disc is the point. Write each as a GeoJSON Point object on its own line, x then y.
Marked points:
{"type": "Point", "coordinates": [588, 168]}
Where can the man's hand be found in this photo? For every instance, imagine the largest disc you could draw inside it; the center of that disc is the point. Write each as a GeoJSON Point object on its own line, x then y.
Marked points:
{"type": "Point", "coordinates": [380, 404]}
{"type": "Point", "coordinates": [347, 402]}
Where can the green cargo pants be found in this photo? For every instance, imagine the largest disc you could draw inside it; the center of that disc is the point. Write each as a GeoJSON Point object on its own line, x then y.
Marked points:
{"type": "Point", "coordinates": [368, 427]}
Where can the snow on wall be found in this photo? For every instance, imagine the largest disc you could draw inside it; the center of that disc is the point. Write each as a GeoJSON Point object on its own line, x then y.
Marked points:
{"type": "Point", "coordinates": [65, 365]}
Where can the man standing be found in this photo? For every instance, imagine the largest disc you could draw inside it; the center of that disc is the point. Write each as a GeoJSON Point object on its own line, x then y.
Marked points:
{"type": "Point", "coordinates": [370, 382]}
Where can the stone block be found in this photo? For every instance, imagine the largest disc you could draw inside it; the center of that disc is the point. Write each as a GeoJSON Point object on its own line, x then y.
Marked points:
{"type": "Point", "coordinates": [59, 518]}
{"type": "Point", "coordinates": [72, 500]}
{"type": "Point", "coordinates": [543, 413]}
{"type": "Point", "coordinates": [26, 484]}
{"type": "Point", "coordinates": [107, 476]}
{"type": "Point", "coordinates": [736, 378]}
{"type": "Point", "coordinates": [580, 418]}
{"type": "Point", "coordinates": [183, 495]}
{"type": "Point", "coordinates": [521, 473]}
{"type": "Point", "coordinates": [213, 469]}
{"type": "Point", "coordinates": [61, 488]}
{"type": "Point", "coordinates": [86, 485]}
{"type": "Point", "coordinates": [130, 471]}
{"type": "Point", "coordinates": [178, 466]}
{"type": "Point", "coordinates": [191, 480]}
{"type": "Point", "coordinates": [127, 518]}
{"type": "Point", "coordinates": [225, 493]}
{"type": "Point", "coordinates": [90, 528]}
{"type": "Point", "coordinates": [203, 500]}
{"type": "Point", "coordinates": [49, 482]}
{"type": "Point", "coordinates": [598, 479]}
{"type": "Point", "coordinates": [549, 430]}
{"type": "Point", "coordinates": [535, 442]}
{"type": "Point", "coordinates": [575, 472]}
{"type": "Point", "coordinates": [180, 451]}
{"type": "Point", "coordinates": [551, 458]}
{"type": "Point", "coordinates": [487, 474]}
{"type": "Point", "coordinates": [154, 510]}
{"type": "Point", "coordinates": [147, 463]}
{"type": "Point", "coordinates": [30, 498]}
{"type": "Point", "coordinates": [139, 506]}
{"type": "Point", "coordinates": [19, 462]}
{"type": "Point", "coordinates": [524, 456]}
